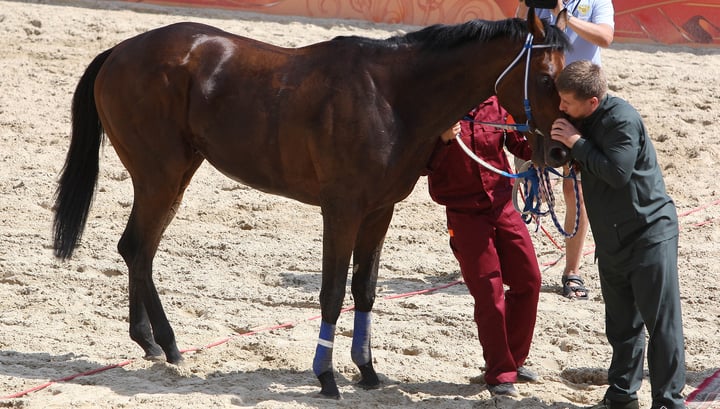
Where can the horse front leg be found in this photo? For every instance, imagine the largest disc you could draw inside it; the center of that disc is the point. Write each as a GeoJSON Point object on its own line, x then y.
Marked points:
{"type": "Point", "coordinates": [339, 231]}
{"type": "Point", "coordinates": [366, 260]}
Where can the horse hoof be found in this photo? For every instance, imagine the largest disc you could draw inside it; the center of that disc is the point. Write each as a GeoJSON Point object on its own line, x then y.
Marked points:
{"type": "Point", "coordinates": [328, 387]}
{"type": "Point", "coordinates": [154, 358]}
{"type": "Point", "coordinates": [321, 395]}
{"type": "Point", "coordinates": [173, 355]}
{"type": "Point", "coordinates": [179, 360]}
{"type": "Point", "coordinates": [369, 378]}
{"type": "Point", "coordinates": [368, 385]}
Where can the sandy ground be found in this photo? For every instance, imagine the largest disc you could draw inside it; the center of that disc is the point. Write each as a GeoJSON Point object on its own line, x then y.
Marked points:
{"type": "Point", "coordinates": [236, 259]}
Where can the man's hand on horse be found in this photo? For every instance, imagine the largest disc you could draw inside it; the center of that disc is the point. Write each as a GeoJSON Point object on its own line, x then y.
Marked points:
{"type": "Point", "coordinates": [564, 132]}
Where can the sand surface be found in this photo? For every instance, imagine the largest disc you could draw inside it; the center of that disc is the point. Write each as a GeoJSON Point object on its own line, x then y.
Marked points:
{"type": "Point", "coordinates": [236, 259]}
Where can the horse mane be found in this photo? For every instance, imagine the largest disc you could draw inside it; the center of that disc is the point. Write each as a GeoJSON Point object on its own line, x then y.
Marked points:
{"type": "Point", "coordinates": [443, 36]}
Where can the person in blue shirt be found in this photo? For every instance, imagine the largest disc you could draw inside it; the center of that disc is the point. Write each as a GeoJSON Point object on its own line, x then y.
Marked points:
{"type": "Point", "coordinates": [590, 27]}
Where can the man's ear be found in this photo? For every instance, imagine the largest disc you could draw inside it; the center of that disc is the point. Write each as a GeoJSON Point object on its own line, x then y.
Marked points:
{"type": "Point", "coordinates": [562, 19]}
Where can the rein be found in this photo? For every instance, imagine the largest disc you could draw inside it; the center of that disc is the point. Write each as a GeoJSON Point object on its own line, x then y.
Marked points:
{"type": "Point", "coordinates": [537, 185]}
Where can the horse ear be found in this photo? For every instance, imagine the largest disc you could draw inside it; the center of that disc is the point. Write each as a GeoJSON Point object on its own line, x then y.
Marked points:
{"type": "Point", "coordinates": [562, 20]}
{"type": "Point", "coordinates": [535, 26]}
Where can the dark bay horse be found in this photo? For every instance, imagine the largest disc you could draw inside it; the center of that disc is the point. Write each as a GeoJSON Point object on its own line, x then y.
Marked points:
{"type": "Point", "coordinates": [347, 125]}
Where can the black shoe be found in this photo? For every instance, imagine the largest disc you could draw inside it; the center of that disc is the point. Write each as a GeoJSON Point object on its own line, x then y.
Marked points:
{"type": "Point", "coordinates": [525, 374]}
{"type": "Point", "coordinates": [503, 389]}
{"type": "Point", "coordinates": [608, 404]}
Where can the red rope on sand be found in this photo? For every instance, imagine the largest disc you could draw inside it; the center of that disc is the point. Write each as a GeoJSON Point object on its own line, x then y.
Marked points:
{"type": "Point", "coordinates": [67, 378]}
{"type": "Point", "coordinates": [214, 343]}
{"type": "Point", "coordinates": [699, 394]}
{"type": "Point", "coordinates": [697, 209]}
{"type": "Point", "coordinates": [315, 317]}
{"type": "Point", "coordinates": [592, 248]}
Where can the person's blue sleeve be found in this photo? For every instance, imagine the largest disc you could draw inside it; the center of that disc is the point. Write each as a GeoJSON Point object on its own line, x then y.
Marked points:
{"type": "Point", "coordinates": [603, 13]}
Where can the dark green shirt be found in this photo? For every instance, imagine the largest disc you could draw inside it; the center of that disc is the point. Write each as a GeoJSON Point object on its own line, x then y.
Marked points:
{"type": "Point", "coordinates": [623, 187]}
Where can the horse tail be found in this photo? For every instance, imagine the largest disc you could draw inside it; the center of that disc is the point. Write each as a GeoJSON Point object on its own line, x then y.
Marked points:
{"type": "Point", "coordinates": [76, 186]}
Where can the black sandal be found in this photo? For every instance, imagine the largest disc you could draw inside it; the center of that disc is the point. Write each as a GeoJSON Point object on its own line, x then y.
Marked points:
{"type": "Point", "coordinates": [572, 285]}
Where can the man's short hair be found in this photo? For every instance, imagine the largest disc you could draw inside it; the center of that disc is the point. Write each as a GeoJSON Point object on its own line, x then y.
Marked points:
{"type": "Point", "coordinates": [584, 79]}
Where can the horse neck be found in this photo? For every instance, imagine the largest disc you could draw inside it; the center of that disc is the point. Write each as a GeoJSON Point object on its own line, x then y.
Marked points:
{"type": "Point", "coordinates": [439, 87]}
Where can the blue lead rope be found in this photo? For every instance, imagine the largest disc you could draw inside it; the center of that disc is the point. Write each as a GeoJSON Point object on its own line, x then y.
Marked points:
{"type": "Point", "coordinates": [532, 199]}
{"type": "Point", "coordinates": [536, 185]}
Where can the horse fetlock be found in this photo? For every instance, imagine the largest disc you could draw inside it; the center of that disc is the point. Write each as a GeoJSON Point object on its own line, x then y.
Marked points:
{"type": "Point", "coordinates": [153, 352]}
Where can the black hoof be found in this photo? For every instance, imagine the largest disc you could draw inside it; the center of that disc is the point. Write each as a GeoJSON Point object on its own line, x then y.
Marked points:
{"type": "Point", "coordinates": [154, 358]}
{"type": "Point", "coordinates": [328, 387]}
{"type": "Point", "coordinates": [369, 379]}
{"type": "Point", "coordinates": [174, 357]}
{"type": "Point", "coordinates": [153, 352]}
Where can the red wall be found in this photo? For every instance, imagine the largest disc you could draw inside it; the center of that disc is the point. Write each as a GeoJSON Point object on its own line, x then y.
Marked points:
{"type": "Point", "coordinates": [690, 22]}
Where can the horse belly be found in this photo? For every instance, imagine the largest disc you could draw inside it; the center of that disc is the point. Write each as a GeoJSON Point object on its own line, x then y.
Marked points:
{"type": "Point", "coordinates": [262, 171]}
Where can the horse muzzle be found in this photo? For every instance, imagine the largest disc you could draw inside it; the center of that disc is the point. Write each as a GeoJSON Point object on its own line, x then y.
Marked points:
{"type": "Point", "coordinates": [555, 154]}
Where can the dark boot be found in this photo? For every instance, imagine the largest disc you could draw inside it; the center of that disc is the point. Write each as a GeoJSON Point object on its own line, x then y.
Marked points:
{"type": "Point", "coordinates": [608, 404]}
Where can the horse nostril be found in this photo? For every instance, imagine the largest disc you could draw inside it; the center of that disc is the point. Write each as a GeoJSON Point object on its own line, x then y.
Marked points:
{"type": "Point", "coordinates": [558, 155]}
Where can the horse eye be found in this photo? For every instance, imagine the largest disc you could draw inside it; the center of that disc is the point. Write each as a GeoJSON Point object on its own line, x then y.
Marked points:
{"type": "Point", "coordinates": [547, 82]}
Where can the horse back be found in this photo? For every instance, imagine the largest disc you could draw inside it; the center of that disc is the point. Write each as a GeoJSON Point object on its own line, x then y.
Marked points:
{"type": "Point", "coordinates": [305, 123]}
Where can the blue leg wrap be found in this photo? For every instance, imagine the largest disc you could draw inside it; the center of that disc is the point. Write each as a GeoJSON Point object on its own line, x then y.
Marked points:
{"type": "Point", "coordinates": [323, 353]}
{"type": "Point", "coordinates": [361, 338]}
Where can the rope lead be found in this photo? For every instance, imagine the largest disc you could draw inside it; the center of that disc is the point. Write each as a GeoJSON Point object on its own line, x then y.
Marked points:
{"type": "Point", "coordinates": [537, 185]}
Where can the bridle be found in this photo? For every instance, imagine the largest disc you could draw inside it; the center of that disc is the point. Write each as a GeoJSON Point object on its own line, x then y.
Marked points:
{"type": "Point", "coordinates": [526, 50]}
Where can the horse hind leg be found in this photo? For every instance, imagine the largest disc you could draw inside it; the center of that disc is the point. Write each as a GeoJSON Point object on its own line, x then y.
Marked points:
{"type": "Point", "coordinates": [366, 260]}
{"type": "Point", "coordinates": [157, 197]}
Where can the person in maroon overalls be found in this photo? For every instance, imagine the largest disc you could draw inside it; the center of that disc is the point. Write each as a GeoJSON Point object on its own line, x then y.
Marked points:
{"type": "Point", "coordinates": [490, 241]}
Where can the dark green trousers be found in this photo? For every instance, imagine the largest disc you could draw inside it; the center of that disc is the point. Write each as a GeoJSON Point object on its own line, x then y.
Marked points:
{"type": "Point", "coordinates": [641, 291]}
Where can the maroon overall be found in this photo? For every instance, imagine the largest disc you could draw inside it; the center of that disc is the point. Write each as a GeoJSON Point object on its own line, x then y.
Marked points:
{"type": "Point", "coordinates": [489, 239]}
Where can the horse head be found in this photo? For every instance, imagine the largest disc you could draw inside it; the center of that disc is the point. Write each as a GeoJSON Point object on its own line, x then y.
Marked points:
{"type": "Point", "coordinates": [531, 79]}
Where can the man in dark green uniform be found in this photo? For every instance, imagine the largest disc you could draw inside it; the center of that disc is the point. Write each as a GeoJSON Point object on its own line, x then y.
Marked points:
{"type": "Point", "coordinates": [634, 224]}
